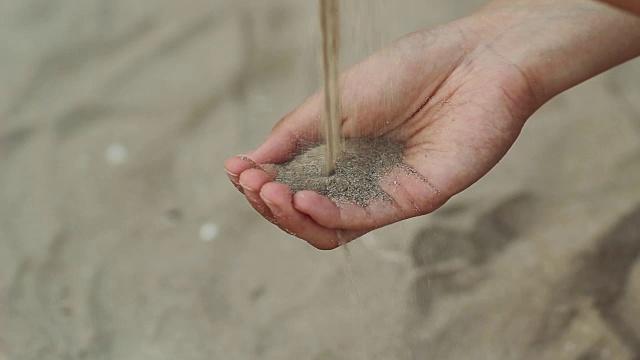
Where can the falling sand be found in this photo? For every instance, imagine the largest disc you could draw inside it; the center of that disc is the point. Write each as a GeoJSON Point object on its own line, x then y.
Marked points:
{"type": "Point", "coordinates": [360, 167]}
{"type": "Point", "coordinates": [330, 26]}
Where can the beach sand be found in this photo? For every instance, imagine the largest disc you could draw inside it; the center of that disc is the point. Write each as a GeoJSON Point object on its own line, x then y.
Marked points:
{"type": "Point", "coordinates": [360, 169]}
{"type": "Point", "coordinates": [122, 238]}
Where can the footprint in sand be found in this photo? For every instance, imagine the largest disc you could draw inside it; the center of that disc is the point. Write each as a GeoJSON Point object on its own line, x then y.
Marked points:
{"type": "Point", "coordinates": [603, 275]}
{"type": "Point", "coordinates": [448, 258]}
{"type": "Point", "coordinates": [495, 229]}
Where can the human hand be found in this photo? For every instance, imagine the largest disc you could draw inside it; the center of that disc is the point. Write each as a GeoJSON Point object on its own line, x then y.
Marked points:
{"type": "Point", "coordinates": [455, 111]}
{"type": "Point", "coordinates": [453, 98]}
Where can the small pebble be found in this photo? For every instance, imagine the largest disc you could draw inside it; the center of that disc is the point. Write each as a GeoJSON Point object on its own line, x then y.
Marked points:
{"type": "Point", "coordinates": [117, 154]}
{"type": "Point", "coordinates": [569, 346]}
{"type": "Point", "coordinates": [208, 232]}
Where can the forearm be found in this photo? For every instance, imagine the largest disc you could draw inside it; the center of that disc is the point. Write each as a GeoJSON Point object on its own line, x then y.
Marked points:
{"type": "Point", "coordinates": [629, 5]}
{"type": "Point", "coordinates": [558, 44]}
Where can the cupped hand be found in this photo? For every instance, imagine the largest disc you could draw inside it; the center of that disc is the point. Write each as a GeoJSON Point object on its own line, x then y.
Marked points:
{"type": "Point", "coordinates": [455, 104]}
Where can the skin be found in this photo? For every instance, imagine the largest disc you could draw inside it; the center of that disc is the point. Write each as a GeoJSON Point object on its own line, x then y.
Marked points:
{"type": "Point", "coordinates": [629, 5]}
{"type": "Point", "coordinates": [457, 96]}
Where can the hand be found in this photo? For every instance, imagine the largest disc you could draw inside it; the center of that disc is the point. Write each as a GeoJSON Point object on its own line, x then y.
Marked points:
{"type": "Point", "coordinates": [452, 95]}
{"type": "Point", "coordinates": [456, 109]}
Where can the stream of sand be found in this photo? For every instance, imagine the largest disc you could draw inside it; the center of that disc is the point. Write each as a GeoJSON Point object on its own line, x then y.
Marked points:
{"type": "Point", "coordinates": [330, 25]}
{"type": "Point", "coordinates": [332, 117]}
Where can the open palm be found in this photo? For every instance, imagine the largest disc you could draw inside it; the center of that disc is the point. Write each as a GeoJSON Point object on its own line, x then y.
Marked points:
{"type": "Point", "coordinates": [456, 105]}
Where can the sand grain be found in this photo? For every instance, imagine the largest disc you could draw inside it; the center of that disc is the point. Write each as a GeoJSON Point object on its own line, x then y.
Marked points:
{"type": "Point", "coordinates": [359, 170]}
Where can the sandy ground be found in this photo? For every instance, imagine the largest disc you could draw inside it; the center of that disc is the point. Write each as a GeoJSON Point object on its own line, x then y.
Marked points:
{"type": "Point", "coordinates": [121, 238]}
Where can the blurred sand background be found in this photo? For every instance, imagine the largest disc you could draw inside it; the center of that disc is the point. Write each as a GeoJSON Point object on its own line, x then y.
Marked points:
{"type": "Point", "coordinates": [121, 238]}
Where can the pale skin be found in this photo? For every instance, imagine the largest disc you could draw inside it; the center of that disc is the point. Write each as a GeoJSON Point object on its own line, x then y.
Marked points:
{"type": "Point", "coordinates": [457, 96]}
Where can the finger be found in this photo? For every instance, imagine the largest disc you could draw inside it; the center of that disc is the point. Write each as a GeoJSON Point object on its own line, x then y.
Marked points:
{"type": "Point", "coordinates": [252, 181]}
{"type": "Point", "coordinates": [279, 199]}
{"type": "Point", "coordinates": [346, 216]}
{"type": "Point", "coordinates": [235, 166]}
{"type": "Point", "coordinates": [409, 196]}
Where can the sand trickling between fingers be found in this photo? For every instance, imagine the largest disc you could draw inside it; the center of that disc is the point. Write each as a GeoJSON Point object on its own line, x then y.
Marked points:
{"type": "Point", "coordinates": [359, 170]}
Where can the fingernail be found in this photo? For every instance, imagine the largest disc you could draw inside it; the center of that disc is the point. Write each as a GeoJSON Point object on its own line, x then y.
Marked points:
{"type": "Point", "coordinates": [274, 208]}
{"type": "Point", "coordinates": [237, 186]}
{"type": "Point", "coordinates": [230, 173]}
{"type": "Point", "coordinates": [244, 186]}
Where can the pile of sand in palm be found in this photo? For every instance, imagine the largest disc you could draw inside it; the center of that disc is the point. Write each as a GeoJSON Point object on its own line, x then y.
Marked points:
{"type": "Point", "coordinates": [359, 170]}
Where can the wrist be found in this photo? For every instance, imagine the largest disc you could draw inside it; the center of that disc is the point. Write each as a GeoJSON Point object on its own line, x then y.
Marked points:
{"type": "Point", "coordinates": [554, 44]}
